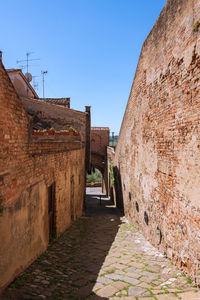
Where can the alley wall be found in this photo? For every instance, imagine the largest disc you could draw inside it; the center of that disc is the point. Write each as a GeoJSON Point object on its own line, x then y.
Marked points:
{"type": "Point", "coordinates": [41, 182]}
{"type": "Point", "coordinates": [158, 152]}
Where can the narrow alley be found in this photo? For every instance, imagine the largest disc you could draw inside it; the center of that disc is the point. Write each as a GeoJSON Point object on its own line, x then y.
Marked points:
{"type": "Point", "coordinates": [101, 257]}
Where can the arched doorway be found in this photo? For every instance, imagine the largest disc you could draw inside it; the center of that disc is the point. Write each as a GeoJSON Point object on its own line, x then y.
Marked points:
{"type": "Point", "coordinates": [99, 162]}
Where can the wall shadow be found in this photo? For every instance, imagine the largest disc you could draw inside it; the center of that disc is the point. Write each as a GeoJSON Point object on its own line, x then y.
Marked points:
{"type": "Point", "coordinates": [118, 189]}
{"type": "Point", "coordinates": [70, 267]}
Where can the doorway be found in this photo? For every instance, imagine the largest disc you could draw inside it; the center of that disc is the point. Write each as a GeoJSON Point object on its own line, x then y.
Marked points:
{"type": "Point", "coordinates": [51, 210]}
{"type": "Point", "coordinates": [72, 198]}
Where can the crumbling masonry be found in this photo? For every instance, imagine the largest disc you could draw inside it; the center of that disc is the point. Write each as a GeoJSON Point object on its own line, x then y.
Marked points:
{"type": "Point", "coordinates": [158, 152]}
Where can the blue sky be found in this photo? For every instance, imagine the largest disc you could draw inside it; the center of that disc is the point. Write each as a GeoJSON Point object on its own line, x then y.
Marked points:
{"type": "Point", "coordinates": [89, 47]}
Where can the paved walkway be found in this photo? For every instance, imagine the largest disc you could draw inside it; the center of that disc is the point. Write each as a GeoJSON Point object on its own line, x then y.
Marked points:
{"type": "Point", "coordinates": [101, 257]}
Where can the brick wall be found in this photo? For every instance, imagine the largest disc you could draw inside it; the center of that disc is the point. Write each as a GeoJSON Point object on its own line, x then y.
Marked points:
{"type": "Point", "coordinates": [99, 139]}
{"type": "Point", "coordinates": [28, 167]}
{"type": "Point", "coordinates": [158, 152]}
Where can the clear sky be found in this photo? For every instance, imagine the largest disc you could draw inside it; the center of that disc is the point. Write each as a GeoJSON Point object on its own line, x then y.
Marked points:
{"type": "Point", "coordinates": [89, 47]}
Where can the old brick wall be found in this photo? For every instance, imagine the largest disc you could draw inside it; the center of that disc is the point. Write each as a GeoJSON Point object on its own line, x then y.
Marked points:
{"type": "Point", "coordinates": [158, 151]}
{"type": "Point", "coordinates": [99, 139]}
{"type": "Point", "coordinates": [28, 167]}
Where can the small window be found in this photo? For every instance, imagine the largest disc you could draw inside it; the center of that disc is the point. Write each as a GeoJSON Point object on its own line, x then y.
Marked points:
{"type": "Point", "coordinates": [158, 235]}
{"type": "Point", "coordinates": [130, 196]}
{"type": "Point", "coordinates": [137, 206]}
{"type": "Point", "coordinates": [146, 218]}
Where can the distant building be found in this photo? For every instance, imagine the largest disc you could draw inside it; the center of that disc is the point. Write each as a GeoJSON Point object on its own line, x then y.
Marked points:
{"type": "Point", "coordinates": [65, 102]}
{"type": "Point", "coordinates": [25, 89]}
{"type": "Point", "coordinates": [21, 84]}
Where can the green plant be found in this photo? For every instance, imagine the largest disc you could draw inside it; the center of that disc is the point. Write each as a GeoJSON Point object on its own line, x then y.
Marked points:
{"type": "Point", "coordinates": [189, 280]}
{"type": "Point", "coordinates": [112, 180]}
{"type": "Point", "coordinates": [71, 128]}
{"type": "Point", "coordinates": [1, 206]}
{"type": "Point", "coordinates": [110, 271]}
{"type": "Point", "coordinates": [94, 177]}
{"type": "Point", "coordinates": [196, 26]}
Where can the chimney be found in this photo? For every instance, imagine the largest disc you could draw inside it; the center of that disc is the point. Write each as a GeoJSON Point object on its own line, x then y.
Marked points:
{"type": "Point", "coordinates": [113, 138]}
{"type": "Point", "coordinates": [87, 109]}
{"type": "Point", "coordinates": [68, 102]}
{"type": "Point", "coordinates": [1, 55]}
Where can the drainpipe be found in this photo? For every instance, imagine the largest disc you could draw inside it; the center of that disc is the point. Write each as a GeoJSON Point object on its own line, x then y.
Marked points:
{"type": "Point", "coordinates": [87, 147]}
{"type": "Point", "coordinates": [87, 139]}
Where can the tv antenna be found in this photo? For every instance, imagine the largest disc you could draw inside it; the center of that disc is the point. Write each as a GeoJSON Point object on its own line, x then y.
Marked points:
{"type": "Point", "coordinates": [27, 60]}
{"type": "Point", "coordinates": [43, 74]}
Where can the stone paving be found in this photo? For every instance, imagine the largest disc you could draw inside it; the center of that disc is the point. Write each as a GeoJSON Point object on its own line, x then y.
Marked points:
{"type": "Point", "coordinates": [102, 256]}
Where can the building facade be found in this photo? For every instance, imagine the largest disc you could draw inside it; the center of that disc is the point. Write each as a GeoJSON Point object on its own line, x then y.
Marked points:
{"type": "Point", "coordinates": [42, 178]}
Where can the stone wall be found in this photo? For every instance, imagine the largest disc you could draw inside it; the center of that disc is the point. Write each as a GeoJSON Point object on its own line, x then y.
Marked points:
{"type": "Point", "coordinates": [29, 167]}
{"type": "Point", "coordinates": [158, 152]}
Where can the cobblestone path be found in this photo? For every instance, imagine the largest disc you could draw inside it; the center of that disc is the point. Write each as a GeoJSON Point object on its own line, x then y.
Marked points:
{"type": "Point", "coordinates": [101, 257]}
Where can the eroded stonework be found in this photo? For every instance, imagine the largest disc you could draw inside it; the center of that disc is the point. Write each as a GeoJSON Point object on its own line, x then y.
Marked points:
{"type": "Point", "coordinates": [158, 151]}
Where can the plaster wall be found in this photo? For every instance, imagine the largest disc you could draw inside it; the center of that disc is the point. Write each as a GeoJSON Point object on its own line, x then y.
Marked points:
{"type": "Point", "coordinates": [20, 85]}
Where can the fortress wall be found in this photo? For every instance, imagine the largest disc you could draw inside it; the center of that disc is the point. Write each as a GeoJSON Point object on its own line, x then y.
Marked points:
{"type": "Point", "coordinates": [158, 151]}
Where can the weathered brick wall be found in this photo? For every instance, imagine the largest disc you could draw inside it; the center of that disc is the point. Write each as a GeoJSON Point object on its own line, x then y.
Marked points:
{"type": "Point", "coordinates": [99, 139]}
{"type": "Point", "coordinates": [158, 151]}
{"type": "Point", "coordinates": [27, 168]}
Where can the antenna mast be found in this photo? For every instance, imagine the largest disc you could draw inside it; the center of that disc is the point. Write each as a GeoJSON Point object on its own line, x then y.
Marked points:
{"type": "Point", "coordinates": [43, 74]}
{"type": "Point", "coordinates": [27, 60]}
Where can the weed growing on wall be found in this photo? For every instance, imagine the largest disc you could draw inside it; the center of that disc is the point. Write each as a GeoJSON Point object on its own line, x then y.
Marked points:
{"type": "Point", "coordinates": [111, 174]}
{"type": "Point", "coordinates": [196, 26]}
